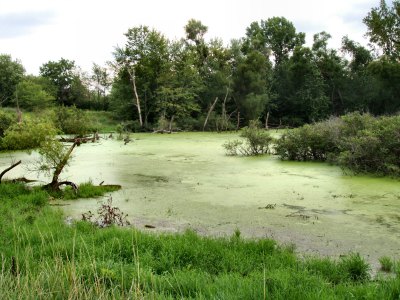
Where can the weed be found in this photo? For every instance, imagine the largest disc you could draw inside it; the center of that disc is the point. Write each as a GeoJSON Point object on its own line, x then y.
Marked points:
{"type": "Point", "coordinates": [107, 215]}
{"type": "Point", "coordinates": [386, 264]}
{"type": "Point", "coordinates": [41, 257]}
{"type": "Point", "coordinates": [355, 267]}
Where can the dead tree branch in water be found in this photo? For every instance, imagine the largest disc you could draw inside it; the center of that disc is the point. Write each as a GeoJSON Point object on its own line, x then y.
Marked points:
{"type": "Point", "coordinates": [8, 169]}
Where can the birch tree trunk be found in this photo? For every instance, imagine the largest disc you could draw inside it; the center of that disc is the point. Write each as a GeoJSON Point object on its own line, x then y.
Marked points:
{"type": "Point", "coordinates": [137, 104]}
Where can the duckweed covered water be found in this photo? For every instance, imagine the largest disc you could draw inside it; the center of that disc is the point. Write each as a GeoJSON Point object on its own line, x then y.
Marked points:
{"type": "Point", "coordinates": [185, 180]}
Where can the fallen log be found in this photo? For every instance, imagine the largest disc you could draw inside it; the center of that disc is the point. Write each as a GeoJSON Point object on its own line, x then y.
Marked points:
{"type": "Point", "coordinates": [23, 179]}
{"type": "Point", "coordinates": [80, 140]}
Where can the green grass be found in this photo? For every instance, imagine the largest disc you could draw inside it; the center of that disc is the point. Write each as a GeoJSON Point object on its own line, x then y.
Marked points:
{"type": "Point", "coordinates": [87, 190]}
{"type": "Point", "coordinates": [44, 258]}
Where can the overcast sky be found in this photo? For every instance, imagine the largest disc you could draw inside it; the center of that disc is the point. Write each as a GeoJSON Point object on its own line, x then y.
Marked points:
{"type": "Point", "coordinates": [86, 31]}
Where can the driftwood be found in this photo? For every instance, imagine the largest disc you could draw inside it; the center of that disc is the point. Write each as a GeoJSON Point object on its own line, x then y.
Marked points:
{"type": "Point", "coordinates": [8, 169]}
{"type": "Point", "coordinates": [117, 186]}
{"type": "Point", "coordinates": [23, 179]}
{"type": "Point", "coordinates": [81, 140]}
{"type": "Point", "coordinates": [162, 131]}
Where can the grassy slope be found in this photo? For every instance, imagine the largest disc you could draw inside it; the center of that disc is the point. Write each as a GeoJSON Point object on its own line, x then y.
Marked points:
{"type": "Point", "coordinates": [44, 258]}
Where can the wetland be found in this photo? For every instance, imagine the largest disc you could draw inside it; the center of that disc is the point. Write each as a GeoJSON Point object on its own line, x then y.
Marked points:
{"type": "Point", "coordinates": [178, 181]}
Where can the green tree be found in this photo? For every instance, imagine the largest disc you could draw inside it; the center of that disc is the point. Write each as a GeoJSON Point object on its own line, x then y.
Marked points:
{"type": "Point", "coordinates": [281, 37]}
{"type": "Point", "coordinates": [32, 96]}
{"type": "Point", "coordinates": [217, 81]}
{"type": "Point", "coordinates": [332, 69]}
{"type": "Point", "coordinates": [63, 74]}
{"type": "Point", "coordinates": [383, 24]}
{"type": "Point", "coordinates": [101, 83]}
{"type": "Point", "coordinates": [361, 87]}
{"type": "Point", "coordinates": [251, 85]}
{"type": "Point", "coordinates": [11, 73]}
{"type": "Point", "coordinates": [195, 31]}
{"type": "Point", "coordinates": [309, 99]}
{"type": "Point", "coordinates": [179, 84]}
{"type": "Point", "coordinates": [139, 65]}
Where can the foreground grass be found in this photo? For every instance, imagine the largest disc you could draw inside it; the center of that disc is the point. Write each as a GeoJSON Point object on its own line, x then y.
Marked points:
{"type": "Point", "coordinates": [43, 258]}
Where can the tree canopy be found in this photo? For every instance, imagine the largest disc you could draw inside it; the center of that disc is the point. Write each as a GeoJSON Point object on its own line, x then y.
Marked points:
{"type": "Point", "coordinates": [269, 74]}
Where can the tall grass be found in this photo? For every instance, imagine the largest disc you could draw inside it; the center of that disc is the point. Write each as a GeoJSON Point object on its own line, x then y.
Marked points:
{"type": "Point", "coordinates": [44, 258]}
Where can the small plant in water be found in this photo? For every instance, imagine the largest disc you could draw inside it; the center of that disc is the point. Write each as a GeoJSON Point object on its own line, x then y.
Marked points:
{"type": "Point", "coordinates": [256, 141]}
{"type": "Point", "coordinates": [386, 264]}
{"type": "Point", "coordinates": [107, 215]}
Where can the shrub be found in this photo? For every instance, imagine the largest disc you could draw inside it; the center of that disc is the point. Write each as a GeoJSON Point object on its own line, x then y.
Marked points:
{"type": "Point", "coordinates": [6, 119]}
{"type": "Point", "coordinates": [256, 141]}
{"type": "Point", "coordinates": [310, 142]}
{"type": "Point", "coordinates": [361, 143]}
{"type": "Point", "coordinates": [71, 120]}
{"type": "Point", "coordinates": [27, 134]}
{"type": "Point", "coordinates": [232, 147]}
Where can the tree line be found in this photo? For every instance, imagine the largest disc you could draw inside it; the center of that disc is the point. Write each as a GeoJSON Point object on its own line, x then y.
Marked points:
{"type": "Point", "coordinates": [269, 74]}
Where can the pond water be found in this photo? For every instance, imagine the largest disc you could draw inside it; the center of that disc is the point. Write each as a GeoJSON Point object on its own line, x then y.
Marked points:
{"type": "Point", "coordinates": [185, 180]}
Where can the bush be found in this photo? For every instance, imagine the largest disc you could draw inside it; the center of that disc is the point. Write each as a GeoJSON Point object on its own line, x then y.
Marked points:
{"type": "Point", "coordinates": [232, 147]}
{"type": "Point", "coordinates": [6, 119]}
{"type": "Point", "coordinates": [361, 143]}
{"type": "Point", "coordinates": [28, 134]}
{"type": "Point", "coordinates": [71, 120]}
{"type": "Point", "coordinates": [256, 141]}
{"type": "Point", "coordinates": [310, 142]}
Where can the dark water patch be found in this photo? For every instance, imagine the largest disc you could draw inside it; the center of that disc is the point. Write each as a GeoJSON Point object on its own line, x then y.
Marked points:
{"type": "Point", "coordinates": [143, 178]}
{"type": "Point", "coordinates": [295, 207]}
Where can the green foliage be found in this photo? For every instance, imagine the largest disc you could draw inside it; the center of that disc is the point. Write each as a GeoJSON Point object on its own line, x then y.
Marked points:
{"type": "Point", "coordinates": [63, 76]}
{"type": "Point", "coordinates": [355, 267]}
{"type": "Point", "coordinates": [387, 264]}
{"type": "Point", "coordinates": [88, 190]}
{"type": "Point", "coordinates": [351, 267]}
{"type": "Point", "coordinates": [11, 73]}
{"type": "Point", "coordinates": [32, 96]}
{"type": "Point", "coordinates": [232, 148]}
{"type": "Point", "coordinates": [6, 119]}
{"type": "Point", "coordinates": [358, 142]}
{"type": "Point", "coordinates": [71, 120]}
{"type": "Point", "coordinates": [52, 153]}
{"type": "Point", "coordinates": [383, 28]}
{"type": "Point", "coordinates": [28, 134]}
{"type": "Point", "coordinates": [257, 141]}
{"type": "Point", "coordinates": [45, 256]}
{"type": "Point", "coordinates": [310, 142]}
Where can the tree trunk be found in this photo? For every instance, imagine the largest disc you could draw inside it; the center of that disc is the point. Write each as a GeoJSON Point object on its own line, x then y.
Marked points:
{"type": "Point", "coordinates": [137, 104]}
{"type": "Point", "coordinates": [170, 124]}
{"type": "Point", "coordinates": [266, 120]}
{"type": "Point", "coordinates": [238, 121]}
{"type": "Point", "coordinates": [54, 184]}
{"type": "Point", "coordinates": [19, 113]}
{"type": "Point", "coordinates": [209, 113]}
{"type": "Point", "coordinates": [8, 169]}
{"type": "Point", "coordinates": [224, 116]}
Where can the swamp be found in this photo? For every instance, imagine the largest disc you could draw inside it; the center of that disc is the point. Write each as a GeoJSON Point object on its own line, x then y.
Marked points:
{"type": "Point", "coordinates": [177, 181]}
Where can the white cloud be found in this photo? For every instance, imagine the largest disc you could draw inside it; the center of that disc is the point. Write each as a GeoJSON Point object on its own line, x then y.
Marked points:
{"type": "Point", "coordinates": [87, 31]}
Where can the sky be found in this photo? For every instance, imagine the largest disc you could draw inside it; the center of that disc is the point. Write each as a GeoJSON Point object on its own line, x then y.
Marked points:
{"type": "Point", "coordinates": [87, 31]}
